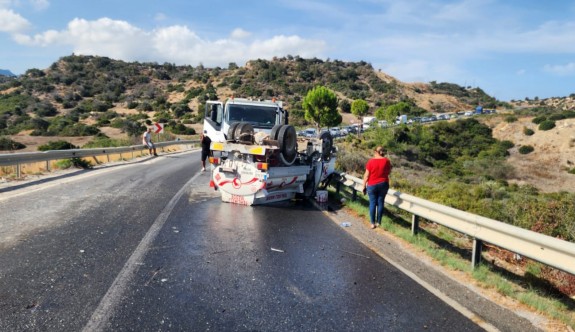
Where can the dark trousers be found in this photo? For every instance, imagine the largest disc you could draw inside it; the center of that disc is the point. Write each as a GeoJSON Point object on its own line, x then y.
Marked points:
{"type": "Point", "coordinates": [377, 194]}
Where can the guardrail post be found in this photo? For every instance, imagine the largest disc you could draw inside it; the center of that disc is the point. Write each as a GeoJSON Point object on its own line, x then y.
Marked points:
{"type": "Point", "coordinates": [48, 165]}
{"type": "Point", "coordinates": [18, 171]}
{"type": "Point", "coordinates": [414, 224]}
{"type": "Point", "coordinates": [108, 157]}
{"type": "Point", "coordinates": [353, 194]}
{"type": "Point", "coordinates": [476, 254]}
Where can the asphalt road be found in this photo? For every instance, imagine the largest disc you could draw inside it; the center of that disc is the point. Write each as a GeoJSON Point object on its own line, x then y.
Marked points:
{"type": "Point", "coordinates": [149, 247]}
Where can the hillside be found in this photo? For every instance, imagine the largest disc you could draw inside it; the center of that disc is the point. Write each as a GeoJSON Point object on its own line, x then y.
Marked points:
{"type": "Point", "coordinates": [554, 153]}
{"type": "Point", "coordinates": [82, 95]}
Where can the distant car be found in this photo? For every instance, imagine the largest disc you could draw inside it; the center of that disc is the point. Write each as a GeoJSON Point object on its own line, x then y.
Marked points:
{"type": "Point", "coordinates": [334, 131]}
{"type": "Point", "coordinates": [351, 129]}
{"type": "Point", "coordinates": [310, 132]}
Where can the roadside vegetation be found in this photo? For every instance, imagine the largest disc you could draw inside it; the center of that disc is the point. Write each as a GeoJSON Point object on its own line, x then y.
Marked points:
{"type": "Point", "coordinates": [459, 164]}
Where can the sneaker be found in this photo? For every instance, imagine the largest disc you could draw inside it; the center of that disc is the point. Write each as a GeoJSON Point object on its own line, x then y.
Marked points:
{"type": "Point", "coordinates": [155, 154]}
{"type": "Point", "coordinates": [203, 169]}
{"type": "Point", "coordinates": [373, 226]}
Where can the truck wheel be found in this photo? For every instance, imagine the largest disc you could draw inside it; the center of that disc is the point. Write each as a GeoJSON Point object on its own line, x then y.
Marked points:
{"type": "Point", "coordinates": [326, 145]}
{"type": "Point", "coordinates": [231, 131]}
{"type": "Point", "coordinates": [244, 133]}
{"type": "Point", "coordinates": [287, 138]}
{"type": "Point", "coordinates": [274, 132]}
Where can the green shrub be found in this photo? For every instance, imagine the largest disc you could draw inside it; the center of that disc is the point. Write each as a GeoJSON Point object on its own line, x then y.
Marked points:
{"type": "Point", "coordinates": [547, 125]}
{"type": "Point", "coordinates": [73, 162]}
{"type": "Point", "coordinates": [350, 161]}
{"type": "Point", "coordinates": [180, 129]}
{"type": "Point", "coordinates": [539, 119]}
{"type": "Point", "coordinates": [571, 171]}
{"type": "Point", "coordinates": [7, 144]}
{"type": "Point", "coordinates": [106, 142]}
{"type": "Point", "coordinates": [57, 145]}
{"type": "Point", "coordinates": [557, 116]}
{"type": "Point", "coordinates": [525, 149]}
{"type": "Point", "coordinates": [510, 118]}
{"type": "Point", "coordinates": [507, 144]}
{"type": "Point", "coordinates": [528, 131]}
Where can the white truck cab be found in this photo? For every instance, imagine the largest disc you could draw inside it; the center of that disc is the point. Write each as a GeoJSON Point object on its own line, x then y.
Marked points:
{"type": "Point", "coordinates": [261, 115]}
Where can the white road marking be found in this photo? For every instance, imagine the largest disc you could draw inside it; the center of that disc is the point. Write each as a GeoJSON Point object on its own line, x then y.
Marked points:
{"type": "Point", "coordinates": [114, 294]}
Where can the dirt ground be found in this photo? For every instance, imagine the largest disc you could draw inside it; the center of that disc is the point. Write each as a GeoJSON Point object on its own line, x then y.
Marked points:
{"type": "Point", "coordinates": [546, 168]}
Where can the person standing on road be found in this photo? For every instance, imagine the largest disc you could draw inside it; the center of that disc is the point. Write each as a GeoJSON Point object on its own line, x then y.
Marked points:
{"type": "Point", "coordinates": [205, 141]}
{"type": "Point", "coordinates": [376, 184]}
{"type": "Point", "coordinates": [147, 141]}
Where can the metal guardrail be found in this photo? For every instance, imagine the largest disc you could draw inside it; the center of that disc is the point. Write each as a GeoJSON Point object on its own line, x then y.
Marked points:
{"type": "Point", "coordinates": [17, 159]}
{"type": "Point", "coordinates": [545, 249]}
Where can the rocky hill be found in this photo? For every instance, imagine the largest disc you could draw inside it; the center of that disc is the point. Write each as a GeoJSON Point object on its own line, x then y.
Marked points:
{"type": "Point", "coordinates": [84, 96]}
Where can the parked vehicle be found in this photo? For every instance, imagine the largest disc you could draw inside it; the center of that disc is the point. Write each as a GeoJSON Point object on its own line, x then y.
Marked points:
{"type": "Point", "coordinates": [258, 162]}
{"type": "Point", "coordinates": [310, 132]}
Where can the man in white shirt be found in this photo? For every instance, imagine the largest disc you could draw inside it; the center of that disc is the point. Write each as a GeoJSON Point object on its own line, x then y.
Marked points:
{"type": "Point", "coordinates": [147, 141]}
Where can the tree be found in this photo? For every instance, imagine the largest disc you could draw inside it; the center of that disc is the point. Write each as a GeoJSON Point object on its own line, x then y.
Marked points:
{"type": "Point", "coordinates": [359, 108]}
{"type": "Point", "coordinates": [345, 106]}
{"type": "Point", "coordinates": [320, 105]}
{"type": "Point", "coordinates": [393, 111]}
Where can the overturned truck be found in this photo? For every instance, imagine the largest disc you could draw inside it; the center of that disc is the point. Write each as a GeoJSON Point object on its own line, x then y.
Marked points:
{"type": "Point", "coordinates": [256, 156]}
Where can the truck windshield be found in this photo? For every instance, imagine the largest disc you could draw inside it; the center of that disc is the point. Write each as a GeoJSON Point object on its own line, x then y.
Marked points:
{"type": "Point", "coordinates": [258, 116]}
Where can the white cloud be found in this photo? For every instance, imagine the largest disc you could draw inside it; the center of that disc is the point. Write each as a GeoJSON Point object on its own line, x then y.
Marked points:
{"type": "Point", "coordinates": [240, 34]}
{"type": "Point", "coordinates": [283, 45]}
{"type": "Point", "coordinates": [174, 44]}
{"type": "Point", "coordinates": [12, 22]}
{"type": "Point", "coordinates": [561, 70]}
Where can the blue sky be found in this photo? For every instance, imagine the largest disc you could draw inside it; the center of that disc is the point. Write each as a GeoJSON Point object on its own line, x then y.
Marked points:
{"type": "Point", "coordinates": [511, 49]}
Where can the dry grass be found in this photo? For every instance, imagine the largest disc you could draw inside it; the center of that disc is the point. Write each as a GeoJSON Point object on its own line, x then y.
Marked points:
{"type": "Point", "coordinates": [544, 168]}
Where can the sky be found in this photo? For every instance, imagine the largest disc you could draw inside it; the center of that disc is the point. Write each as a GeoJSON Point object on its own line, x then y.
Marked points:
{"type": "Point", "coordinates": [512, 49]}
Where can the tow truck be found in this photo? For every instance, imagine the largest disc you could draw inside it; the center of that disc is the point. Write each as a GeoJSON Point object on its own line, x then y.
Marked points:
{"type": "Point", "coordinates": [256, 156]}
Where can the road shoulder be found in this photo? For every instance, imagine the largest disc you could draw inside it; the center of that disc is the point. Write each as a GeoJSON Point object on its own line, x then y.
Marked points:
{"type": "Point", "coordinates": [456, 289]}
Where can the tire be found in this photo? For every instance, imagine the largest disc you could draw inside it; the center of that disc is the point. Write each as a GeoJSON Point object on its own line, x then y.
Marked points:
{"type": "Point", "coordinates": [244, 132]}
{"type": "Point", "coordinates": [274, 132]}
{"type": "Point", "coordinates": [231, 131]}
{"type": "Point", "coordinates": [287, 138]}
{"type": "Point", "coordinates": [326, 145]}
